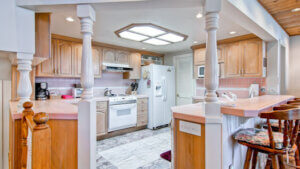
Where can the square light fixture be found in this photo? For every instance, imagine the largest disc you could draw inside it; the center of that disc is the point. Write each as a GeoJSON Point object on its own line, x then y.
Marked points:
{"type": "Point", "coordinates": [154, 41]}
{"type": "Point", "coordinates": [150, 34]}
{"type": "Point", "coordinates": [171, 37]}
{"type": "Point", "coordinates": [147, 30]}
{"type": "Point", "coordinates": [132, 36]}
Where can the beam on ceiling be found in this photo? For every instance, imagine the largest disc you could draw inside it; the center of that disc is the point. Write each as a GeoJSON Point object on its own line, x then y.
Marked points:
{"type": "Point", "coordinates": [25, 3]}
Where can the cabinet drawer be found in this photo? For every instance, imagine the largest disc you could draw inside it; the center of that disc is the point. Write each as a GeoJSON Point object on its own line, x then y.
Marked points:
{"type": "Point", "coordinates": [142, 112]}
{"type": "Point", "coordinates": [142, 120]}
{"type": "Point", "coordinates": [142, 106]}
{"type": "Point", "coordinates": [101, 124]}
{"type": "Point", "coordinates": [101, 106]}
{"type": "Point", "coordinates": [142, 101]}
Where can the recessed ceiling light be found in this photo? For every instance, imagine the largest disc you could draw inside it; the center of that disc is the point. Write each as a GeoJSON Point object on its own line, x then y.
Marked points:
{"type": "Point", "coordinates": [232, 32]}
{"type": "Point", "coordinates": [195, 42]}
{"type": "Point", "coordinates": [143, 48]}
{"type": "Point", "coordinates": [199, 15]}
{"type": "Point", "coordinates": [132, 36]}
{"type": "Point", "coordinates": [69, 19]}
{"type": "Point", "coordinates": [154, 41]}
{"type": "Point", "coordinates": [147, 30]}
{"type": "Point", "coordinates": [171, 37]}
{"type": "Point", "coordinates": [295, 10]}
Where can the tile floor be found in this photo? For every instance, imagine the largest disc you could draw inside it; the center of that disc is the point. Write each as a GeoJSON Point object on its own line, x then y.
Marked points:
{"type": "Point", "coordinates": [137, 150]}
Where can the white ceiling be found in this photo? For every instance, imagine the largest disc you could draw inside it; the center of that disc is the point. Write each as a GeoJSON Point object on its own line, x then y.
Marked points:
{"type": "Point", "coordinates": [176, 15]}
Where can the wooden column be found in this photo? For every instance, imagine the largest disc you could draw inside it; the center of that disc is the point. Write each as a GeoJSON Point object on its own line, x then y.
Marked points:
{"type": "Point", "coordinates": [87, 106]}
{"type": "Point", "coordinates": [24, 61]}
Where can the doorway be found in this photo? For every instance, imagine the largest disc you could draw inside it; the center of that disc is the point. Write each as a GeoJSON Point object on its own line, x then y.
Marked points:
{"type": "Point", "coordinates": [185, 84]}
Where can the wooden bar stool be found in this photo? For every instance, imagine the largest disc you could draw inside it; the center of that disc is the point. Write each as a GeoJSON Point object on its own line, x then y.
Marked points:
{"type": "Point", "coordinates": [275, 144]}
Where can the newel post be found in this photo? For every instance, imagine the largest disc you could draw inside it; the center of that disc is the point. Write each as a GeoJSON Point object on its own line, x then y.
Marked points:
{"type": "Point", "coordinates": [213, 116]}
{"type": "Point", "coordinates": [87, 106]}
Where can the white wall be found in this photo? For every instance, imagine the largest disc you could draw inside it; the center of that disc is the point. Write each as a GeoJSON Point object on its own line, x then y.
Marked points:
{"type": "Point", "coordinates": [293, 67]}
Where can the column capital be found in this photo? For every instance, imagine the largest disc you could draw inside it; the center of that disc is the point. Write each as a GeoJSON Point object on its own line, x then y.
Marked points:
{"type": "Point", "coordinates": [211, 21]}
{"type": "Point", "coordinates": [86, 11]}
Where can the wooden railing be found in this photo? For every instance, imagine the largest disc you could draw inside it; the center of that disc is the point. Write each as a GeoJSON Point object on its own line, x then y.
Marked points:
{"type": "Point", "coordinates": [36, 139]}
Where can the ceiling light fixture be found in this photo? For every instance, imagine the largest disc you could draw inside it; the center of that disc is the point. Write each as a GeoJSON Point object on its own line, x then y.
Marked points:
{"type": "Point", "coordinates": [150, 34]}
{"type": "Point", "coordinates": [69, 19]}
{"type": "Point", "coordinates": [199, 15]}
{"type": "Point", "coordinates": [295, 10]}
{"type": "Point", "coordinates": [195, 42]}
{"type": "Point", "coordinates": [232, 32]}
{"type": "Point", "coordinates": [154, 41]}
{"type": "Point", "coordinates": [132, 36]}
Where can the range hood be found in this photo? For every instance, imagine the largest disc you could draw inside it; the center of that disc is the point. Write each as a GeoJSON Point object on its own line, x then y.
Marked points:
{"type": "Point", "coordinates": [113, 67]}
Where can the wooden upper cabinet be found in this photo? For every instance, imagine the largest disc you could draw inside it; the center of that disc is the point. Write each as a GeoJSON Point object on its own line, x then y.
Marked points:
{"type": "Point", "coordinates": [77, 56]}
{"type": "Point", "coordinates": [64, 58]}
{"type": "Point", "coordinates": [47, 68]}
{"type": "Point", "coordinates": [97, 61]}
{"type": "Point", "coordinates": [199, 56]}
{"type": "Point", "coordinates": [252, 58]}
{"type": "Point", "coordinates": [232, 60]}
{"type": "Point", "coordinates": [109, 55]}
{"type": "Point", "coordinates": [122, 57]}
{"type": "Point", "coordinates": [42, 35]}
{"type": "Point", "coordinates": [135, 63]}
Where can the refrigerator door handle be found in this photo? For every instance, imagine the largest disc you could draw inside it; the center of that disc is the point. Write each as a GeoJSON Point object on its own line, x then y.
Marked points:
{"type": "Point", "coordinates": [165, 89]}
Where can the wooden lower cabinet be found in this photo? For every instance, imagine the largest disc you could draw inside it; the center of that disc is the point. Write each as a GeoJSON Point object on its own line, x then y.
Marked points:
{"type": "Point", "coordinates": [142, 112]}
{"type": "Point", "coordinates": [102, 117]}
{"type": "Point", "coordinates": [189, 149]}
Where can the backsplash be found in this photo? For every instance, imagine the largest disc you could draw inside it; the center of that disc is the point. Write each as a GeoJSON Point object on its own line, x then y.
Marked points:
{"type": "Point", "coordinates": [239, 86]}
{"type": "Point", "coordinates": [113, 81]}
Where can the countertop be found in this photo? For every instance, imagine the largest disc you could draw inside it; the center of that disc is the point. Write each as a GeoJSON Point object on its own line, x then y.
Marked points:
{"type": "Point", "coordinates": [66, 109]}
{"type": "Point", "coordinates": [248, 107]}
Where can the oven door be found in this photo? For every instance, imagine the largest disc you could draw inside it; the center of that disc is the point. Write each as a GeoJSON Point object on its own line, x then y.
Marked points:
{"type": "Point", "coordinates": [122, 116]}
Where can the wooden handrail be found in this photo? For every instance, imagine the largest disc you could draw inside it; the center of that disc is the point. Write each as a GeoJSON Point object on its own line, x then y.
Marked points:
{"type": "Point", "coordinates": [36, 124]}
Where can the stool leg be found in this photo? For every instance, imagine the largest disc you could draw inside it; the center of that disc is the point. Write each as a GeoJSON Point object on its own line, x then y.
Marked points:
{"type": "Point", "coordinates": [269, 162]}
{"type": "Point", "coordinates": [280, 160]}
{"type": "Point", "coordinates": [297, 159]}
{"type": "Point", "coordinates": [248, 158]}
{"type": "Point", "coordinates": [254, 159]}
{"type": "Point", "coordinates": [274, 162]}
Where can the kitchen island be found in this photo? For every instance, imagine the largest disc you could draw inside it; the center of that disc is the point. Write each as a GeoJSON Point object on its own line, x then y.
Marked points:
{"type": "Point", "coordinates": [189, 145]}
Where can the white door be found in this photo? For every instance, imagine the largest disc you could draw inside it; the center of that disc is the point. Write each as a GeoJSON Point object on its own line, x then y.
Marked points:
{"type": "Point", "coordinates": [185, 84]}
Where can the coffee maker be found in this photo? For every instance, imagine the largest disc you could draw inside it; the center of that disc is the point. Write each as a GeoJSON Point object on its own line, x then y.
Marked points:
{"type": "Point", "coordinates": [41, 91]}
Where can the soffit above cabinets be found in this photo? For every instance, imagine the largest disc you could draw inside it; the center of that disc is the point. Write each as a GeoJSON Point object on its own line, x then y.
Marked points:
{"type": "Point", "coordinates": [282, 11]}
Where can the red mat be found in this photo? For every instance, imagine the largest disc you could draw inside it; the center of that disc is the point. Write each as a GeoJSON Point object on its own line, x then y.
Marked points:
{"type": "Point", "coordinates": [166, 155]}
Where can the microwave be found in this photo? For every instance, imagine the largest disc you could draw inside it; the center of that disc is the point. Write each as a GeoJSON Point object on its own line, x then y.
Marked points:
{"type": "Point", "coordinates": [201, 71]}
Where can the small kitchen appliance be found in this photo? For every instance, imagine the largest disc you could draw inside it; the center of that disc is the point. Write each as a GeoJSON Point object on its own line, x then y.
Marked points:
{"type": "Point", "coordinates": [41, 91]}
{"type": "Point", "coordinates": [77, 91]}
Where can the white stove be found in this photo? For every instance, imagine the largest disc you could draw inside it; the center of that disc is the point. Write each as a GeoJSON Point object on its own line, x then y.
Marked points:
{"type": "Point", "coordinates": [122, 112]}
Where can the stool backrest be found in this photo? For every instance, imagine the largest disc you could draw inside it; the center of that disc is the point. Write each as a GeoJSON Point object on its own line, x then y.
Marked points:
{"type": "Point", "coordinates": [291, 119]}
{"type": "Point", "coordinates": [296, 102]}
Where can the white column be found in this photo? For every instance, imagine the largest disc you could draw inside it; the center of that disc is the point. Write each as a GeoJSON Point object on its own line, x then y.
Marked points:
{"type": "Point", "coordinates": [213, 116]}
{"type": "Point", "coordinates": [24, 91]}
{"type": "Point", "coordinates": [211, 57]}
{"type": "Point", "coordinates": [87, 106]}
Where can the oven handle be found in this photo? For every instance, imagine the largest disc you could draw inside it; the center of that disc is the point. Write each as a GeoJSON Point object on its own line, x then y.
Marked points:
{"type": "Point", "coordinates": [122, 106]}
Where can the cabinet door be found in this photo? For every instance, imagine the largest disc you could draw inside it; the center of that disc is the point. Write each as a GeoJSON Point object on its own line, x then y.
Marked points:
{"type": "Point", "coordinates": [100, 124]}
{"type": "Point", "coordinates": [122, 57]}
{"type": "Point", "coordinates": [97, 61]}
{"type": "Point", "coordinates": [47, 67]}
{"type": "Point", "coordinates": [233, 60]}
{"type": "Point", "coordinates": [199, 56]}
{"type": "Point", "coordinates": [135, 63]}
{"type": "Point", "coordinates": [77, 56]}
{"type": "Point", "coordinates": [252, 58]}
{"type": "Point", "coordinates": [64, 56]}
{"type": "Point", "coordinates": [109, 55]}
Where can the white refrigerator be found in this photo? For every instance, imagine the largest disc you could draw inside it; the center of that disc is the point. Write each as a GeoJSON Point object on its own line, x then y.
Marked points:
{"type": "Point", "coordinates": [158, 83]}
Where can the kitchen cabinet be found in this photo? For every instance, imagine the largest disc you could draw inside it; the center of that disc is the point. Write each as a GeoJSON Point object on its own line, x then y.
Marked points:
{"type": "Point", "coordinates": [122, 57]}
{"type": "Point", "coordinates": [48, 67]}
{"type": "Point", "coordinates": [42, 35]}
{"type": "Point", "coordinates": [142, 112]}
{"type": "Point", "coordinates": [109, 55]}
{"type": "Point", "coordinates": [77, 56]}
{"type": "Point", "coordinates": [199, 55]}
{"type": "Point", "coordinates": [97, 61]}
{"type": "Point", "coordinates": [245, 59]}
{"type": "Point", "coordinates": [64, 58]}
{"type": "Point", "coordinates": [233, 60]}
{"type": "Point", "coordinates": [135, 63]}
{"type": "Point", "coordinates": [102, 115]}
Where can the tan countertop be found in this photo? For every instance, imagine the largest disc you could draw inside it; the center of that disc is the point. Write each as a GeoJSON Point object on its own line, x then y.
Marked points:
{"type": "Point", "coordinates": [249, 107]}
{"type": "Point", "coordinates": [57, 108]}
